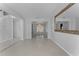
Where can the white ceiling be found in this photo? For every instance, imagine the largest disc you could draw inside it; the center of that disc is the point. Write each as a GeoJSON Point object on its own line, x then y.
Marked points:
{"type": "Point", "coordinates": [35, 10]}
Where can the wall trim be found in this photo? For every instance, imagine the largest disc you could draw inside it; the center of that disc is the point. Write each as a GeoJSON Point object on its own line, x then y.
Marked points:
{"type": "Point", "coordinates": [61, 47]}
{"type": "Point", "coordinates": [5, 40]}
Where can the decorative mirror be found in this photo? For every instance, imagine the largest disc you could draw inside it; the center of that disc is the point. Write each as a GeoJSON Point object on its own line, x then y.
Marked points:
{"type": "Point", "coordinates": [67, 20]}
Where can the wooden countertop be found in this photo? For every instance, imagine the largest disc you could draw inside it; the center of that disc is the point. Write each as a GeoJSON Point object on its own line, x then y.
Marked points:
{"type": "Point", "coordinates": [68, 31]}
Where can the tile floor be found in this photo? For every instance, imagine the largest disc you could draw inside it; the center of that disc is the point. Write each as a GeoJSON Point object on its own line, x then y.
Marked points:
{"type": "Point", "coordinates": [34, 47]}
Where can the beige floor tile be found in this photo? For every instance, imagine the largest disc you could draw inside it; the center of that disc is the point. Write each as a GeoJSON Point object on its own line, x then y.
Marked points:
{"type": "Point", "coordinates": [34, 47]}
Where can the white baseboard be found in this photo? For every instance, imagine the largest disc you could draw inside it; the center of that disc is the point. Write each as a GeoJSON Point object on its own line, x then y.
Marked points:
{"type": "Point", "coordinates": [6, 44]}
{"type": "Point", "coordinates": [61, 47]}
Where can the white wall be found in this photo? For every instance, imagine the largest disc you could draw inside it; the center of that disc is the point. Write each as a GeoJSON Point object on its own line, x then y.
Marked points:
{"type": "Point", "coordinates": [18, 29]}
{"type": "Point", "coordinates": [6, 32]}
{"type": "Point", "coordinates": [28, 26]}
{"type": "Point", "coordinates": [6, 28]}
{"type": "Point", "coordinates": [68, 42]}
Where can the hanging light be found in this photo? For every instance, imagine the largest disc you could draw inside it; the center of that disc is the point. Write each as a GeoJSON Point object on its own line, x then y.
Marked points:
{"type": "Point", "coordinates": [5, 13]}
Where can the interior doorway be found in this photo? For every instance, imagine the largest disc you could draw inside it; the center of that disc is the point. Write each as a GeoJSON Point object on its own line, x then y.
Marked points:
{"type": "Point", "coordinates": [39, 30]}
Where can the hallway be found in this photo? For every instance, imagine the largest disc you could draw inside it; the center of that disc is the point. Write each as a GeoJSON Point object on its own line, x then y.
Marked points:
{"type": "Point", "coordinates": [32, 29]}
{"type": "Point", "coordinates": [34, 47]}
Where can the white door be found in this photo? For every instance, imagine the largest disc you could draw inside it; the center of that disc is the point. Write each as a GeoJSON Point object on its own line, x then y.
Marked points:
{"type": "Point", "coordinates": [18, 29]}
